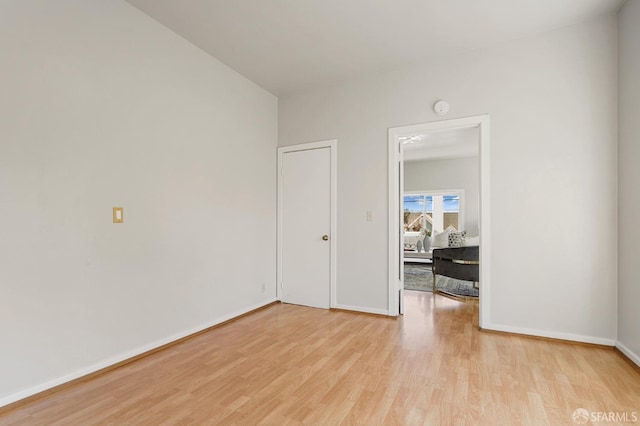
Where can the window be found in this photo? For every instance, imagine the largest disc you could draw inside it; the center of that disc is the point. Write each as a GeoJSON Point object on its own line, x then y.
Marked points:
{"type": "Point", "coordinates": [432, 211]}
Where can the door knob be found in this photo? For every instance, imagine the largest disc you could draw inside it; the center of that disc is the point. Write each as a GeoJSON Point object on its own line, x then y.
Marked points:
{"type": "Point", "coordinates": [325, 237]}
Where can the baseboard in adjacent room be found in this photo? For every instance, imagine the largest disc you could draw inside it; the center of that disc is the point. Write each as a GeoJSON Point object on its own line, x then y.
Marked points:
{"type": "Point", "coordinates": [26, 396]}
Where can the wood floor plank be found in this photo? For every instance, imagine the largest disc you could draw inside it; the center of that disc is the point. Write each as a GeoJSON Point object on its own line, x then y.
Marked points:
{"type": "Point", "coordinates": [294, 365]}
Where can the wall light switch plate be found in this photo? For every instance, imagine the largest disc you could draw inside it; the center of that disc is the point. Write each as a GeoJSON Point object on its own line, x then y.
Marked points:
{"type": "Point", "coordinates": [118, 215]}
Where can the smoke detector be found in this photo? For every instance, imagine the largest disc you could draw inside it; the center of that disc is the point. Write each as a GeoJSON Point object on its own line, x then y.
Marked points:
{"type": "Point", "coordinates": [441, 107]}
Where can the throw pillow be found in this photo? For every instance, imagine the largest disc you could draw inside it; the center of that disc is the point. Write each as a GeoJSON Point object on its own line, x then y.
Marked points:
{"type": "Point", "coordinates": [456, 239]}
{"type": "Point", "coordinates": [471, 241]}
{"type": "Point", "coordinates": [440, 240]}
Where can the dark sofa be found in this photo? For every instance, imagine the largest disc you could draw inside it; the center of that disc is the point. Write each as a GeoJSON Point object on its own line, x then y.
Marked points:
{"type": "Point", "coordinates": [462, 263]}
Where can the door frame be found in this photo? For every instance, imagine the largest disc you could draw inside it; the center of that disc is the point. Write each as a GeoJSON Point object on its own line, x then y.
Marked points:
{"type": "Point", "coordinates": [332, 144]}
{"type": "Point", "coordinates": [395, 193]}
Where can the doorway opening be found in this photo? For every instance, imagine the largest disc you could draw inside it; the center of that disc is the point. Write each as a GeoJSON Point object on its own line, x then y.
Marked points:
{"type": "Point", "coordinates": [425, 162]}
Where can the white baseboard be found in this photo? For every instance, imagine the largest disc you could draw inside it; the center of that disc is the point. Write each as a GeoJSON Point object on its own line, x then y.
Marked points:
{"type": "Point", "coordinates": [6, 400]}
{"type": "Point", "coordinates": [551, 334]}
{"type": "Point", "coordinates": [629, 353]}
{"type": "Point", "coordinates": [361, 309]}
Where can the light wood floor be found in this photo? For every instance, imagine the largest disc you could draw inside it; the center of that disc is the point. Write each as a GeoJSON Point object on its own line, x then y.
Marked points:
{"type": "Point", "coordinates": [294, 365]}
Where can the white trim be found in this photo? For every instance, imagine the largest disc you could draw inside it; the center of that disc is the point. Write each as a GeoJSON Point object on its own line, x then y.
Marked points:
{"type": "Point", "coordinates": [394, 280]}
{"type": "Point", "coordinates": [399, 291]}
{"type": "Point", "coordinates": [333, 232]}
{"type": "Point", "coordinates": [484, 222]}
{"type": "Point", "coordinates": [434, 192]}
{"type": "Point", "coordinates": [395, 158]}
{"type": "Point", "coordinates": [362, 309]}
{"type": "Point", "coordinates": [124, 356]}
{"type": "Point", "coordinates": [551, 334]}
{"type": "Point", "coordinates": [629, 353]}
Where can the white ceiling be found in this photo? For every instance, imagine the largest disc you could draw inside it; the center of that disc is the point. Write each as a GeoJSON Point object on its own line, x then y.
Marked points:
{"type": "Point", "coordinates": [454, 143]}
{"type": "Point", "coordinates": [289, 45]}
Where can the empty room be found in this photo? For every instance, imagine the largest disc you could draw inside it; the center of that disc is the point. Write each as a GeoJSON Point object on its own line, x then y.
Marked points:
{"type": "Point", "coordinates": [319, 212]}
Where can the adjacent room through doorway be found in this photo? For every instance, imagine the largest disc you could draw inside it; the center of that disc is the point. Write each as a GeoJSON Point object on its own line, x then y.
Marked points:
{"type": "Point", "coordinates": [440, 189]}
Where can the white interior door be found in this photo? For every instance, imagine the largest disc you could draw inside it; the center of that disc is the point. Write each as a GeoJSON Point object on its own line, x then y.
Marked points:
{"type": "Point", "coordinates": [306, 227]}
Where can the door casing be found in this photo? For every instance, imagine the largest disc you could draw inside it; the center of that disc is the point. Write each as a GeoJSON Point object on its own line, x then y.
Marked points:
{"type": "Point", "coordinates": [395, 193]}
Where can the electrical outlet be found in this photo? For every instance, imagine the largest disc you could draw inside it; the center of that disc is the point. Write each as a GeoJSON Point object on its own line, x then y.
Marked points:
{"type": "Point", "coordinates": [263, 289]}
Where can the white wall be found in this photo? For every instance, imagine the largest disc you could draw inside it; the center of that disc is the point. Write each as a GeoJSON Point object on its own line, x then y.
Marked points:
{"type": "Point", "coordinates": [101, 106]}
{"type": "Point", "coordinates": [451, 173]}
{"type": "Point", "coordinates": [552, 101]}
{"type": "Point", "coordinates": [629, 176]}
